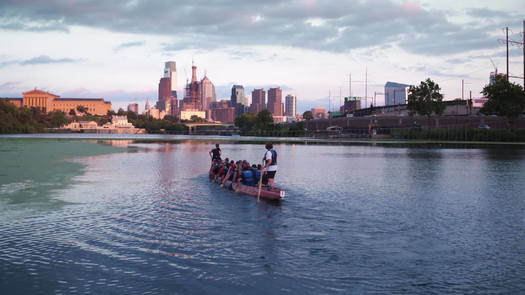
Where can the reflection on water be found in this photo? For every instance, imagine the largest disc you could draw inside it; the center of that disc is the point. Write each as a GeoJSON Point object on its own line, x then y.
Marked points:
{"type": "Point", "coordinates": [356, 219]}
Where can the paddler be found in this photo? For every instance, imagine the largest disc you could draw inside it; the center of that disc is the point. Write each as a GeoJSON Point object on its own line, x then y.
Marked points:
{"type": "Point", "coordinates": [216, 153]}
{"type": "Point", "coordinates": [270, 165]}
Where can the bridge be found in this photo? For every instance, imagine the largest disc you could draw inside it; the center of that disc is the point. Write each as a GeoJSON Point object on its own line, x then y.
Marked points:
{"type": "Point", "coordinates": [192, 127]}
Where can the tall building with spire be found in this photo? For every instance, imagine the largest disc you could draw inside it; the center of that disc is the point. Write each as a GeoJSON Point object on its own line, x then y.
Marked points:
{"type": "Point", "coordinates": [192, 97]}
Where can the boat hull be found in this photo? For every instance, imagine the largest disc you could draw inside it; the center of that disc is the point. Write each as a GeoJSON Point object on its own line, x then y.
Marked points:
{"type": "Point", "coordinates": [267, 194]}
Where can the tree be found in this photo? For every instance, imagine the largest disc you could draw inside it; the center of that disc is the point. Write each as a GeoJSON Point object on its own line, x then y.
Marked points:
{"type": "Point", "coordinates": [425, 99]}
{"type": "Point", "coordinates": [505, 99]}
{"type": "Point", "coordinates": [82, 109]}
{"type": "Point", "coordinates": [121, 112]}
{"type": "Point", "coordinates": [194, 118]}
{"type": "Point", "coordinates": [308, 115]}
{"type": "Point", "coordinates": [246, 122]}
{"type": "Point", "coordinates": [264, 119]}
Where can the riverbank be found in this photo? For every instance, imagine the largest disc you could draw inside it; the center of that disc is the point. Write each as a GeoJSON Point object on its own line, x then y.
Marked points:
{"type": "Point", "coordinates": [253, 139]}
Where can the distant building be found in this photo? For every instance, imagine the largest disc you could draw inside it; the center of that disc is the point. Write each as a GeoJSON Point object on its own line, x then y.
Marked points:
{"type": "Point", "coordinates": [164, 93]}
{"type": "Point", "coordinates": [319, 113]}
{"type": "Point", "coordinates": [279, 119]}
{"type": "Point", "coordinates": [395, 93]}
{"type": "Point", "coordinates": [258, 101]}
{"type": "Point", "coordinates": [186, 115]}
{"type": "Point", "coordinates": [133, 107]}
{"type": "Point", "coordinates": [48, 102]}
{"type": "Point", "coordinates": [291, 105]}
{"type": "Point", "coordinates": [155, 113]}
{"type": "Point", "coordinates": [494, 75]}
{"type": "Point", "coordinates": [223, 112]}
{"type": "Point", "coordinates": [238, 100]}
{"type": "Point", "coordinates": [170, 71]}
{"type": "Point", "coordinates": [237, 96]}
{"type": "Point", "coordinates": [207, 93]}
{"type": "Point", "coordinates": [351, 104]}
{"type": "Point", "coordinates": [192, 96]}
{"type": "Point", "coordinates": [120, 122]}
{"type": "Point", "coordinates": [275, 105]}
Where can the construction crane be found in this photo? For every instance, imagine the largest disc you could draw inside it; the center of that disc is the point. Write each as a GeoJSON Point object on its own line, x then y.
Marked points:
{"type": "Point", "coordinates": [494, 65]}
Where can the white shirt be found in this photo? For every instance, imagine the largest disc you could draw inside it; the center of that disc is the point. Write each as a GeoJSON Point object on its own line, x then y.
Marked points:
{"type": "Point", "coordinates": [268, 156]}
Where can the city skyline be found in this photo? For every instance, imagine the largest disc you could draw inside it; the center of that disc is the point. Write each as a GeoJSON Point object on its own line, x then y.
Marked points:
{"type": "Point", "coordinates": [304, 47]}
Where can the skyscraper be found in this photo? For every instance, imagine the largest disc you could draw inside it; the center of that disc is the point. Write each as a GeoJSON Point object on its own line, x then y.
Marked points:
{"type": "Point", "coordinates": [192, 97]}
{"type": "Point", "coordinates": [275, 101]}
{"type": "Point", "coordinates": [237, 96]}
{"type": "Point", "coordinates": [164, 93]}
{"type": "Point", "coordinates": [207, 93]}
{"type": "Point", "coordinates": [291, 105]}
{"type": "Point", "coordinates": [133, 107]}
{"type": "Point", "coordinates": [395, 93]}
{"type": "Point", "coordinates": [258, 100]}
{"type": "Point", "coordinates": [170, 71]}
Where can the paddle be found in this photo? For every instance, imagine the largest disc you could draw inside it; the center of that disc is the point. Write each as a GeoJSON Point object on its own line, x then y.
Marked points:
{"type": "Point", "coordinates": [260, 185]}
{"type": "Point", "coordinates": [226, 176]}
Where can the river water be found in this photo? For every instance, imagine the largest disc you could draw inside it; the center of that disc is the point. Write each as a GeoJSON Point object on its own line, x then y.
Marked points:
{"type": "Point", "coordinates": [140, 217]}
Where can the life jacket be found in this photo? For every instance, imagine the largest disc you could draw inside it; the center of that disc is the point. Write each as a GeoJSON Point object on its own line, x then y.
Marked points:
{"type": "Point", "coordinates": [248, 177]}
{"type": "Point", "coordinates": [216, 153]}
{"type": "Point", "coordinates": [274, 157]}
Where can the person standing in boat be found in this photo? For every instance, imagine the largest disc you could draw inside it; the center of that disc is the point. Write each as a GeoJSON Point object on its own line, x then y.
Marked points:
{"type": "Point", "coordinates": [216, 153]}
{"type": "Point", "coordinates": [270, 165]}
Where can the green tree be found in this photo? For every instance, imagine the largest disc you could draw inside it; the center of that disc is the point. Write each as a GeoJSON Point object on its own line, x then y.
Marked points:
{"type": "Point", "coordinates": [121, 112]}
{"type": "Point", "coordinates": [246, 122]}
{"type": "Point", "coordinates": [308, 115]}
{"type": "Point", "coordinates": [505, 99]}
{"type": "Point", "coordinates": [195, 118]}
{"type": "Point", "coordinates": [82, 109]}
{"type": "Point", "coordinates": [426, 99]}
{"type": "Point", "coordinates": [264, 120]}
{"type": "Point", "coordinates": [55, 119]}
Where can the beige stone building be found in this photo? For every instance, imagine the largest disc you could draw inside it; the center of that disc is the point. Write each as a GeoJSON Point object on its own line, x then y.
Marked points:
{"type": "Point", "coordinates": [49, 102]}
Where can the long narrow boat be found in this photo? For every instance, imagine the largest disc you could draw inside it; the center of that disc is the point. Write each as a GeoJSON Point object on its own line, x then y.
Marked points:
{"type": "Point", "coordinates": [274, 194]}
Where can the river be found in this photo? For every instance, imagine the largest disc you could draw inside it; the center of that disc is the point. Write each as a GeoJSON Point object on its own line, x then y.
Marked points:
{"type": "Point", "coordinates": [139, 216]}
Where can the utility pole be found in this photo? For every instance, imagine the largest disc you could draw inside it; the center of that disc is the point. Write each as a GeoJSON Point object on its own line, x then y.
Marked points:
{"type": "Point", "coordinates": [329, 103]}
{"type": "Point", "coordinates": [462, 89]}
{"type": "Point", "coordinates": [340, 101]}
{"type": "Point", "coordinates": [507, 43]}
{"type": "Point", "coordinates": [350, 83]}
{"type": "Point", "coordinates": [366, 86]}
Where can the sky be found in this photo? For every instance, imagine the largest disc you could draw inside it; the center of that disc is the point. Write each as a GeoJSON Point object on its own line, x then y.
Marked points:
{"type": "Point", "coordinates": [117, 49]}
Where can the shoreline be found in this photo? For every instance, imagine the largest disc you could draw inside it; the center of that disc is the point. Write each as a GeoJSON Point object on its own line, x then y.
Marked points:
{"type": "Point", "coordinates": [251, 139]}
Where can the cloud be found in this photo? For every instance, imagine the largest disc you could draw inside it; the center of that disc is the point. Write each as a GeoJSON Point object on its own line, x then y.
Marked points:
{"type": "Point", "coordinates": [488, 13]}
{"type": "Point", "coordinates": [44, 59]}
{"type": "Point", "coordinates": [39, 60]}
{"type": "Point", "coordinates": [334, 26]}
{"type": "Point", "coordinates": [10, 89]}
{"type": "Point", "coordinates": [49, 26]}
{"type": "Point", "coordinates": [128, 45]}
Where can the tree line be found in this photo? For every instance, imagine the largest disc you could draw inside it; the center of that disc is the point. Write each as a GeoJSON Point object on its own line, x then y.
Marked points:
{"type": "Point", "coordinates": [15, 119]}
{"type": "Point", "coordinates": [262, 124]}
